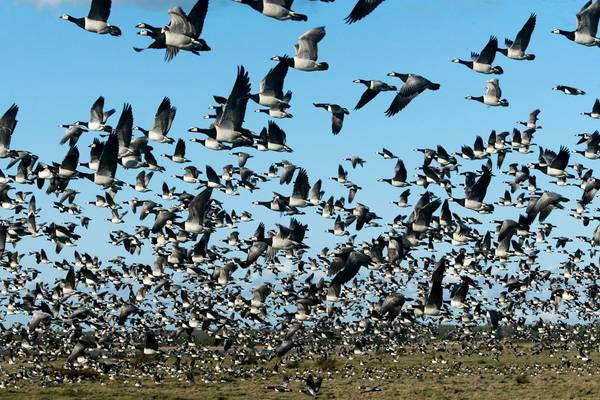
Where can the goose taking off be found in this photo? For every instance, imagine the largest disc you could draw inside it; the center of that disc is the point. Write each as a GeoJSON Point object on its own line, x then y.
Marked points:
{"type": "Point", "coordinates": [413, 86]}
{"type": "Point", "coordinates": [482, 62]}
{"type": "Point", "coordinates": [362, 9]}
{"type": "Point", "coordinates": [587, 25]}
{"type": "Point", "coordinates": [307, 52]}
{"type": "Point", "coordinates": [337, 115]}
{"type": "Point", "coordinates": [278, 9]}
{"type": "Point", "coordinates": [492, 96]}
{"type": "Point", "coordinates": [97, 19]}
{"type": "Point", "coordinates": [516, 50]}
{"type": "Point", "coordinates": [374, 87]}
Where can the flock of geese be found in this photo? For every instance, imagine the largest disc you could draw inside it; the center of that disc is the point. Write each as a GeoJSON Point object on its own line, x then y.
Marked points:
{"type": "Point", "coordinates": [435, 263]}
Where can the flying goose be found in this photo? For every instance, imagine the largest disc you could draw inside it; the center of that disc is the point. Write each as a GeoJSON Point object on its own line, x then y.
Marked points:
{"type": "Point", "coordinates": [271, 86]}
{"type": "Point", "coordinates": [531, 122]}
{"type": "Point", "coordinates": [98, 117]}
{"type": "Point", "coordinates": [278, 9]}
{"type": "Point", "coordinates": [595, 113]}
{"type": "Point", "coordinates": [228, 128]}
{"type": "Point", "coordinates": [435, 297]}
{"type": "Point", "coordinates": [8, 123]}
{"type": "Point", "coordinates": [400, 174]}
{"type": "Point", "coordinates": [492, 96]}
{"type": "Point", "coordinates": [569, 90]}
{"type": "Point", "coordinates": [278, 110]}
{"type": "Point", "coordinates": [337, 115]}
{"type": "Point", "coordinates": [361, 9]}
{"type": "Point", "coordinates": [482, 62]}
{"type": "Point", "coordinates": [374, 87]}
{"type": "Point", "coordinates": [413, 86]}
{"type": "Point", "coordinates": [163, 120]}
{"type": "Point", "coordinates": [516, 50]}
{"type": "Point", "coordinates": [183, 31]}
{"type": "Point", "coordinates": [97, 19]}
{"type": "Point", "coordinates": [307, 52]}
{"type": "Point", "coordinates": [587, 25]}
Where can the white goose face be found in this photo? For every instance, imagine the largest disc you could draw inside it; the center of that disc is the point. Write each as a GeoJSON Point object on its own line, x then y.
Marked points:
{"type": "Point", "coordinates": [556, 31]}
{"type": "Point", "coordinates": [64, 16]}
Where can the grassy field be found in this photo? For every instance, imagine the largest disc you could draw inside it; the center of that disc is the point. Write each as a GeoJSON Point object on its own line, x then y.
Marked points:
{"type": "Point", "coordinates": [399, 377]}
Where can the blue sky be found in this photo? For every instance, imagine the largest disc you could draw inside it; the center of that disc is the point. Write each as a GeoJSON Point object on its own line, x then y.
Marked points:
{"type": "Point", "coordinates": [54, 71]}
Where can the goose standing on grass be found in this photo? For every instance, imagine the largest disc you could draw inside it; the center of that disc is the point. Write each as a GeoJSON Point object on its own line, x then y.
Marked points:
{"type": "Point", "coordinates": [374, 87]}
{"type": "Point", "coordinates": [98, 117]}
{"type": "Point", "coordinates": [587, 25]}
{"type": "Point", "coordinates": [278, 9]}
{"type": "Point", "coordinates": [307, 52]}
{"type": "Point", "coordinates": [8, 123]}
{"type": "Point", "coordinates": [362, 9]}
{"type": "Point", "coordinates": [482, 62]}
{"type": "Point", "coordinates": [595, 113]}
{"type": "Point", "coordinates": [337, 115]}
{"type": "Point", "coordinates": [97, 19]}
{"type": "Point", "coordinates": [492, 96]}
{"type": "Point", "coordinates": [571, 91]}
{"type": "Point", "coordinates": [163, 119]}
{"type": "Point", "coordinates": [516, 50]}
{"type": "Point", "coordinates": [413, 86]}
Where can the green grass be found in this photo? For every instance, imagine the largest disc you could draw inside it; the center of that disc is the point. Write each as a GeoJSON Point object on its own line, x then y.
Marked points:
{"type": "Point", "coordinates": [410, 376]}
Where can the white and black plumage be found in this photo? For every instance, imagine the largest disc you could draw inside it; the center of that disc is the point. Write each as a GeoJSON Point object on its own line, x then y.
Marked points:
{"type": "Point", "coordinates": [307, 52]}
{"type": "Point", "coordinates": [278, 9]}
{"type": "Point", "coordinates": [492, 96]}
{"type": "Point", "coordinates": [97, 19]}
{"type": "Point", "coordinates": [98, 117]}
{"type": "Point", "coordinates": [413, 86]}
{"type": "Point", "coordinates": [374, 87]}
{"type": "Point", "coordinates": [163, 120]}
{"type": "Point", "coordinates": [482, 62]}
{"type": "Point", "coordinates": [587, 25]}
{"type": "Point", "coordinates": [8, 123]}
{"type": "Point", "coordinates": [271, 86]}
{"type": "Point", "coordinates": [228, 128]}
{"type": "Point", "coordinates": [337, 115]}
{"type": "Point", "coordinates": [517, 49]}
{"type": "Point", "coordinates": [182, 33]}
{"type": "Point", "coordinates": [361, 9]}
{"type": "Point", "coordinates": [595, 113]}
{"type": "Point", "coordinates": [569, 90]}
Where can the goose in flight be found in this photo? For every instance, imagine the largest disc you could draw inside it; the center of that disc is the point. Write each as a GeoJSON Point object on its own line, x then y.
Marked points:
{"type": "Point", "coordinates": [571, 91]}
{"type": "Point", "coordinates": [374, 87]}
{"type": "Point", "coordinates": [182, 32]}
{"type": "Point", "coordinates": [337, 115]}
{"type": "Point", "coordinates": [361, 9]}
{"type": "Point", "coordinates": [278, 9]}
{"type": "Point", "coordinates": [307, 52]}
{"type": "Point", "coordinates": [595, 113]}
{"type": "Point", "coordinates": [97, 19]}
{"type": "Point", "coordinates": [98, 117]}
{"type": "Point", "coordinates": [492, 96]}
{"type": "Point", "coordinates": [413, 86]}
{"type": "Point", "coordinates": [587, 25]}
{"type": "Point", "coordinates": [8, 123]}
{"type": "Point", "coordinates": [482, 62]}
{"type": "Point", "coordinates": [516, 50]}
